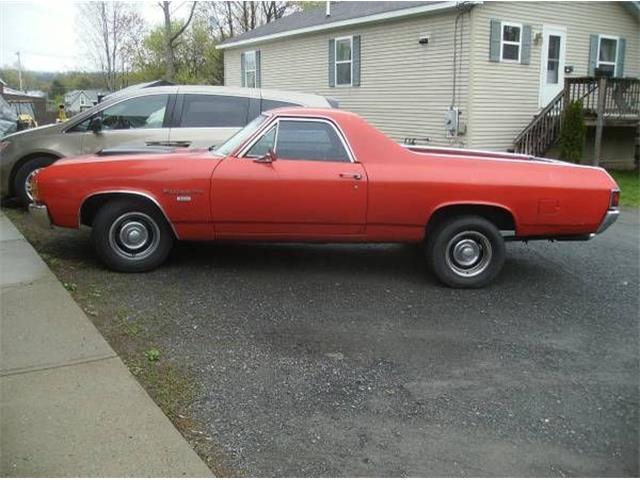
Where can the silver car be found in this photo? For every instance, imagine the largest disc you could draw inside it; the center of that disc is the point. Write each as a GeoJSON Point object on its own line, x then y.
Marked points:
{"type": "Point", "coordinates": [178, 116]}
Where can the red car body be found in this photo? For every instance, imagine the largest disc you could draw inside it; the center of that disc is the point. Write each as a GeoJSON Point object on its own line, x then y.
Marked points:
{"type": "Point", "coordinates": [398, 191]}
{"type": "Point", "coordinates": [387, 193]}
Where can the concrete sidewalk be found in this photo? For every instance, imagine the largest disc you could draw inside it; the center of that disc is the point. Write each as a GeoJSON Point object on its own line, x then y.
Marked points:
{"type": "Point", "coordinates": [68, 405]}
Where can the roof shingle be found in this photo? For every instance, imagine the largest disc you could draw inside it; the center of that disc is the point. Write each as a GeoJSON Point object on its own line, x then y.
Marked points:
{"type": "Point", "coordinates": [340, 11]}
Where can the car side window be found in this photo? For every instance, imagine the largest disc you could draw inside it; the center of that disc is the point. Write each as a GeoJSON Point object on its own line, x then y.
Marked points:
{"type": "Point", "coordinates": [81, 127]}
{"type": "Point", "coordinates": [214, 111]}
{"type": "Point", "coordinates": [262, 146]}
{"type": "Point", "coordinates": [135, 113]}
{"type": "Point", "coordinates": [140, 112]}
{"type": "Point", "coordinates": [309, 140]}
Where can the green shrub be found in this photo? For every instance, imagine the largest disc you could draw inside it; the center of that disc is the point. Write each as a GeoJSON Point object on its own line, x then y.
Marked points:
{"type": "Point", "coordinates": [572, 133]}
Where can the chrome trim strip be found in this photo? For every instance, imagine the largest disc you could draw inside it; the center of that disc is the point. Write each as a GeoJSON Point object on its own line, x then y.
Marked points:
{"type": "Point", "coordinates": [129, 192]}
{"type": "Point", "coordinates": [302, 118]}
{"type": "Point", "coordinates": [40, 214]}
{"type": "Point", "coordinates": [609, 219]}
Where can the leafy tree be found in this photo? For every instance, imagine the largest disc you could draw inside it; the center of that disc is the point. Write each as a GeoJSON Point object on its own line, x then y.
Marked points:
{"type": "Point", "coordinates": [572, 133]}
{"type": "Point", "coordinates": [80, 82]}
{"type": "Point", "coordinates": [57, 88]}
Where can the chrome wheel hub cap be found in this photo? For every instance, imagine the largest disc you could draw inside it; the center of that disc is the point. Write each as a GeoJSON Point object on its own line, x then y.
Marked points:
{"type": "Point", "coordinates": [133, 235]}
{"type": "Point", "coordinates": [469, 253]}
{"type": "Point", "coordinates": [27, 184]}
{"type": "Point", "coordinates": [466, 252]}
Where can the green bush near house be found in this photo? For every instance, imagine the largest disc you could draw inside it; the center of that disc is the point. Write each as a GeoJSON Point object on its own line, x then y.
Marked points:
{"type": "Point", "coordinates": [572, 133]}
{"type": "Point", "coordinates": [629, 183]}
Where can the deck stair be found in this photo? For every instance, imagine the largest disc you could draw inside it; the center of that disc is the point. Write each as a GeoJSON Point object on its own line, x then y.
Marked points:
{"type": "Point", "coordinates": [606, 101]}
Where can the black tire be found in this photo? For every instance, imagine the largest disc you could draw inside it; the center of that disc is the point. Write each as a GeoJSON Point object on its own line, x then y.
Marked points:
{"type": "Point", "coordinates": [465, 251]}
{"type": "Point", "coordinates": [131, 236]}
{"type": "Point", "coordinates": [19, 181]}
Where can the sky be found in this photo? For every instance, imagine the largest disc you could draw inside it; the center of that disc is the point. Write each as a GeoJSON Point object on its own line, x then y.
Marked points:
{"type": "Point", "coordinates": [46, 34]}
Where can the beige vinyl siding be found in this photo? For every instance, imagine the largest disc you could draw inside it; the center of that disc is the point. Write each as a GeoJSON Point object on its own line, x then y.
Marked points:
{"type": "Point", "coordinates": [503, 96]}
{"type": "Point", "coordinates": [232, 68]}
{"type": "Point", "coordinates": [405, 87]}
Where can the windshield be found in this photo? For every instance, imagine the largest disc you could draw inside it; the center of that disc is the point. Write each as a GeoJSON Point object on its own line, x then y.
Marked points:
{"type": "Point", "coordinates": [230, 145]}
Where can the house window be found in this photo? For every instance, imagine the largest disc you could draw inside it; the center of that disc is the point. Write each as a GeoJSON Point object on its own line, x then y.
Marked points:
{"type": "Point", "coordinates": [344, 61]}
{"type": "Point", "coordinates": [511, 42]}
{"type": "Point", "coordinates": [250, 69]}
{"type": "Point", "coordinates": [607, 54]}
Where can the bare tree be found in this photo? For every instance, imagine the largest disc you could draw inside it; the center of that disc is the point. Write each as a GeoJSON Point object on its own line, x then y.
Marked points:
{"type": "Point", "coordinates": [274, 10]}
{"type": "Point", "coordinates": [171, 37]}
{"type": "Point", "coordinates": [236, 17]}
{"type": "Point", "coordinates": [110, 29]}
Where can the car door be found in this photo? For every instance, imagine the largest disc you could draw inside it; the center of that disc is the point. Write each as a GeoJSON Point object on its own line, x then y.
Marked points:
{"type": "Point", "coordinates": [312, 190]}
{"type": "Point", "coordinates": [137, 121]}
{"type": "Point", "coordinates": [204, 120]}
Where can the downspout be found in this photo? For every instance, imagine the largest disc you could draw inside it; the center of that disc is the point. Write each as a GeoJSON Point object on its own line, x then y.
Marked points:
{"type": "Point", "coordinates": [458, 44]}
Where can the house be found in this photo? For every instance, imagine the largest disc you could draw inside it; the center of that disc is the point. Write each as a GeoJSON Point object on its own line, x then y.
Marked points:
{"type": "Point", "coordinates": [25, 102]}
{"type": "Point", "coordinates": [37, 93]}
{"type": "Point", "coordinates": [78, 100]}
{"type": "Point", "coordinates": [482, 75]}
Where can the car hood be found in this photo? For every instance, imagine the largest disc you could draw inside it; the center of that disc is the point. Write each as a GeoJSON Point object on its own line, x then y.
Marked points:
{"type": "Point", "coordinates": [124, 154]}
{"type": "Point", "coordinates": [34, 132]}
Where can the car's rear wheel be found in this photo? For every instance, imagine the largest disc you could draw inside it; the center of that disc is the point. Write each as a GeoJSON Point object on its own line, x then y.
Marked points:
{"type": "Point", "coordinates": [466, 251]}
{"type": "Point", "coordinates": [22, 179]}
{"type": "Point", "coordinates": [131, 236]}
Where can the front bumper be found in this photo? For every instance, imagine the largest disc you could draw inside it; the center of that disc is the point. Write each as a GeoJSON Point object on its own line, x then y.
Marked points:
{"type": "Point", "coordinates": [609, 219]}
{"type": "Point", "coordinates": [40, 215]}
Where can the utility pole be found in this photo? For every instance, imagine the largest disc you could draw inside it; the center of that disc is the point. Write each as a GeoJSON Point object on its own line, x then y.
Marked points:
{"type": "Point", "coordinates": [19, 70]}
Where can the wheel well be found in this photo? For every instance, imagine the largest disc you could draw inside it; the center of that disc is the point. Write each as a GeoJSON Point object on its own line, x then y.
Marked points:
{"type": "Point", "coordinates": [500, 217]}
{"type": "Point", "coordinates": [91, 205]}
{"type": "Point", "coordinates": [24, 160]}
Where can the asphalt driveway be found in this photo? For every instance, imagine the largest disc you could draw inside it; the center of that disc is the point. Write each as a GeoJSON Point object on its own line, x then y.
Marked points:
{"type": "Point", "coordinates": [328, 360]}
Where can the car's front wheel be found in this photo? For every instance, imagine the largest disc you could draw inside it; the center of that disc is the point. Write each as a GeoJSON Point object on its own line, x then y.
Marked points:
{"type": "Point", "coordinates": [22, 179]}
{"type": "Point", "coordinates": [466, 251]}
{"type": "Point", "coordinates": [131, 236]}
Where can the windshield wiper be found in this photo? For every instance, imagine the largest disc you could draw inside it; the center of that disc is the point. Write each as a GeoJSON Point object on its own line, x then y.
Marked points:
{"type": "Point", "coordinates": [212, 147]}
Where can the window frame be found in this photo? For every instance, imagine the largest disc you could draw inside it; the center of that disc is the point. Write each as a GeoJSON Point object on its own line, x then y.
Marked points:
{"type": "Point", "coordinates": [615, 55]}
{"type": "Point", "coordinates": [260, 137]}
{"type": "Point", "coordinates": [247, 70]}
{"type": "Point", "coordinates": [242, 154]}
{"type": "Point", "coordinates": [336, 62]}
{"type": "Point", "coordinates": [510, 42]}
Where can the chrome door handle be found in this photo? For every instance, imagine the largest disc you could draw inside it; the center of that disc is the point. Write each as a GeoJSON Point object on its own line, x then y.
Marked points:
{"type": "Point", "coordinates": [355, 176]}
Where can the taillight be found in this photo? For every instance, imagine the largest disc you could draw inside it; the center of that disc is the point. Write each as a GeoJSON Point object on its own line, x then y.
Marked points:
{"type": "Point", "coordinates": [615, 199]}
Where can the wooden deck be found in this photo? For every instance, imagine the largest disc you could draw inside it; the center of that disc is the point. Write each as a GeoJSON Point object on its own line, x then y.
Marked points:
{"type": "Point", "coordinates": [606, 102]}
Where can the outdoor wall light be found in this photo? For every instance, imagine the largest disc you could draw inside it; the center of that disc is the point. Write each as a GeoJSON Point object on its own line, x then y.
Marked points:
{"type": "Point", "coordinates": [537, 38]}
{"type": "Point", "coordinates": [424, 39]}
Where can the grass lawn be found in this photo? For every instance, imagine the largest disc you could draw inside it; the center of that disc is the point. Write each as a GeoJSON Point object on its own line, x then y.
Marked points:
{"type": "Point", "coordinates": [629, 182]}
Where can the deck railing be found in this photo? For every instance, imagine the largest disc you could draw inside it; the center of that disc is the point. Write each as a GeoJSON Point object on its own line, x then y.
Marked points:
{"type": "Point", "coordinates": [603, 99]}
{"type": "Point", "coordinates": [615, 97]}
{"type": "Point", "coordinates": [537, 137]}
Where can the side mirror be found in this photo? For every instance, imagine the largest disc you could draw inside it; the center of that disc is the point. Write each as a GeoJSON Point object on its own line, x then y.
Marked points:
{"type": "Point", "coordinates": [268, 157]}
{"type": "Point", "coordinates": [95, 125]}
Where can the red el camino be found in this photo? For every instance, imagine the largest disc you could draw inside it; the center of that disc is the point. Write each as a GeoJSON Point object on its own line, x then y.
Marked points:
{"type": "Point", "coordinates": [311, 175]}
